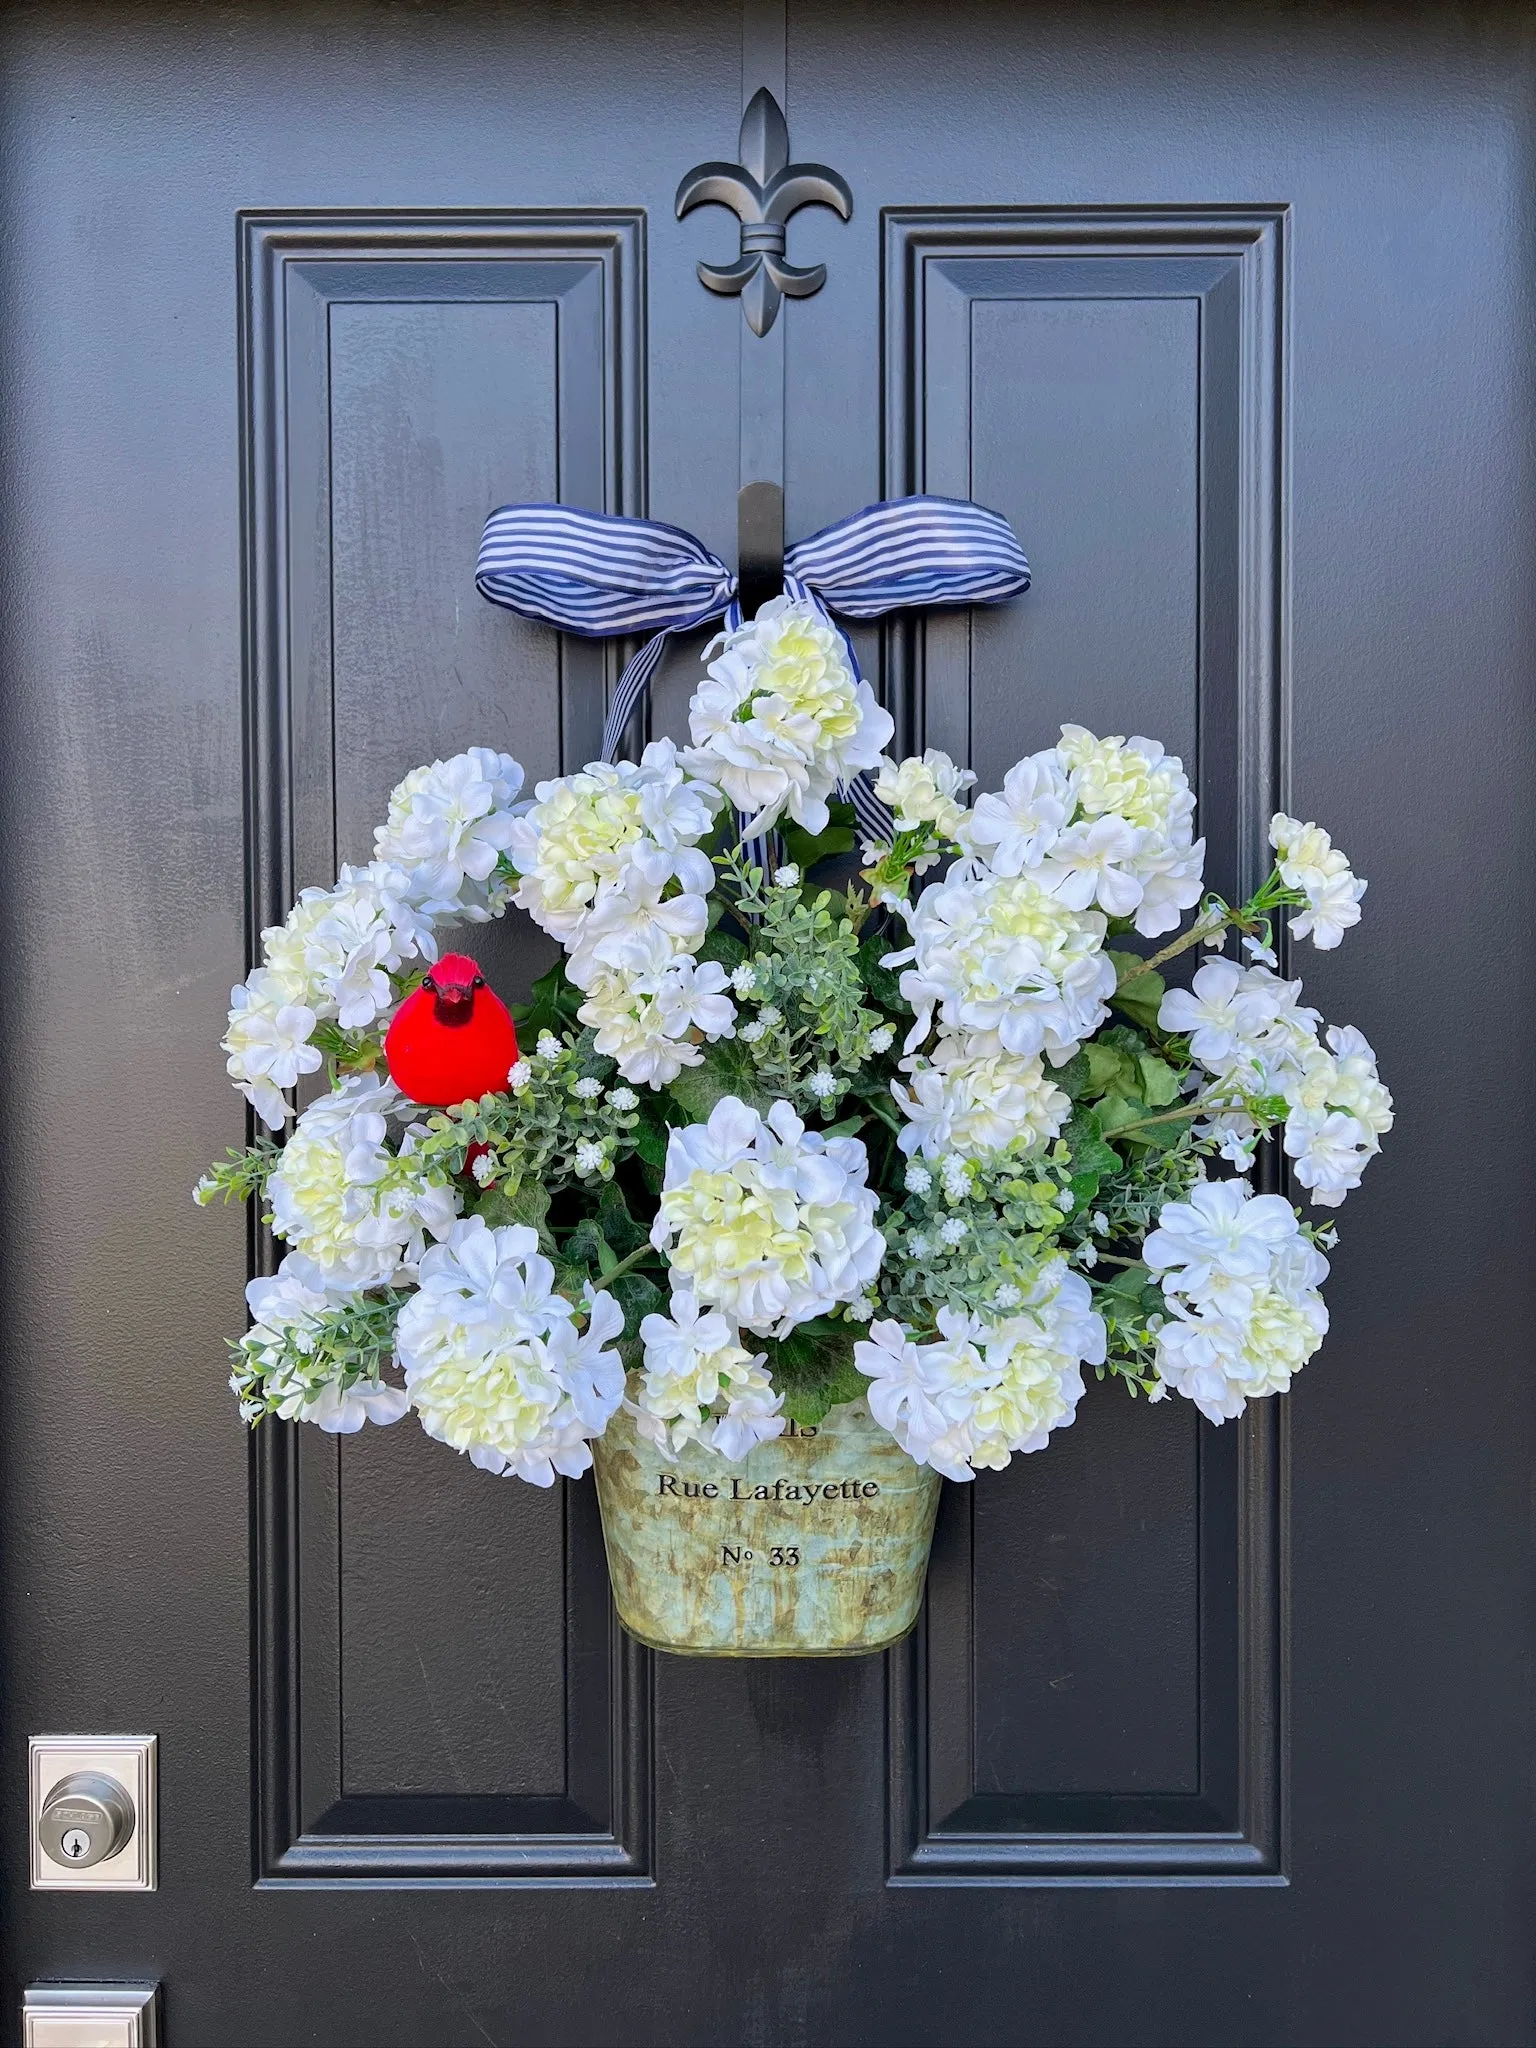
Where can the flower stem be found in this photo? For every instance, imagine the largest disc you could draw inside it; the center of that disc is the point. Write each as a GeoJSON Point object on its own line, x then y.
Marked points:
{"type": "Point", "coordinates": [1164, 1116]}
{"type": "Point", "coordinates": [641, 1252]}
{"type": "Point", "coordinates": [1201, 929]}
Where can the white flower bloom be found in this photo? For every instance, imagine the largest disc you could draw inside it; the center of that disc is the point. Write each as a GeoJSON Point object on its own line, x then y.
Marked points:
{"type": "Point", "coordinates": [623, 1100]}
{"type": "Point", "coordinates": [1007, 1296]}
{"type": "Point", "coordinates": [1095, 862]}
{"type": "Point", "coordinates": [780, 720]}
{"type": "Point", "coordinates": [1243, 1022]}
{"type": "Point", "coordinates": [1340, 1111]}
{"type": "Point", "coordinates": [286, 1311]}
{"type": "Point", "coordinates": [588, 1088]}
{"type": "Point", "coordinates": [882, 1038]}
{"type": "Point", "coordinates": [548, 1046]}
{"type": "Point", "coordinates": [484, 1169]}
{"type": "Point", "coordinates": [768, 1016]}
{"type": "Point", "coordinates": [860, 1311]}
{"type": "Point", "coordinates": [752, 1032]}
{"type": "Point", "coordinates": [918, 1178]}
{"type": "Point", "coordinates": [1004, 954]}
{"type": "Point", "coordinates": [631, 914]}
{"type": "Point", "coordinates": [925, 792]}
{"type": "Point", "coordinates": [1309, 861]}
{"type": "Point", "coordinates": [339, 946]}
{"type": "Point", "coordinates": [1221, 1243]}
{"type": "Point", "coordinates": [519, 1075]}
{"type": "Point", "coordinates": [448, 826]}
{"type": "Point", "coordinates": [582, 831]}
{"type": "Point", "coordinates": [591, 1156]}
{"type": "Point", "coordinates": [325, 1196]}
{"type": "Point", "coordinates": [493, 1360]}
{"type": "Point", "coordinates": [744, 978]}
{"type": "Point", "coordinates": [644, 1019]}
{"type": "Point", "coordinates": [986, 1390]}
{"type": "Point", "coordinates": [954, 1230]}
{"type": "Point", "coordinates": [770, 1222]}
{"type": "Point", "coordinates": [956, 1177]}
{"type": "Point", "coordinates": [699, 1386]}
{"type": "Point", "coordinates": [823, 1083]}
{"type": "Point", "coordinates": [1137, 783]}
{"type": "Point", "coordinates": [1017, 829]}
{"type": "Point", "coordinates": [268, 1045]}
{"type": "Point", "coordinates": [972, 1095]}
{"type": "Point", "coordinates": [1242, 1286]}
{"type": "Point", "coordinates": [786, 877]}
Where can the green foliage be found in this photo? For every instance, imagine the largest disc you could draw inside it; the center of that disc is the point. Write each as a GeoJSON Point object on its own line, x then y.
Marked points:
{"type": "Point", "coordinates": [813, 1368]}
{"type": "Point", "coordinates": [552, 1006]}
{"type": "Point", "coordinates": [1141, 990]}
{"type": "Point", "coordinates": [279, 1374]}
{"type": "Point", "coordinates": [239, 1174]}
{"type": "Point", "coordinates": [807, 850]}
{"type": "Point", "coordinates": [727, 1068]}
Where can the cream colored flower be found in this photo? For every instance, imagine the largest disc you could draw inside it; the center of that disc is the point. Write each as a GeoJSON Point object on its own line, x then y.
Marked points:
{"type": "Point", "coordinates": [699, 1386]}
{"type": "Point", "coordinates": [769, 1222]}
{"type": "Point", "coordinates": [971, 1095]}
{"type": "Point", "coordinates": [494, 1362]}
{"type": "Point", "coordinates": [1309, 861]}
{"type": "Point", "coordinates": [1003, 954]}
{"type": "Point", "coordinates": [924, 791]}
{"type": "Point", "coordinates": [781, 719]}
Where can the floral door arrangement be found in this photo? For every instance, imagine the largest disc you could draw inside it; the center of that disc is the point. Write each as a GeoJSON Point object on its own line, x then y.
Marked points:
{"type": "Point", "coordinates": [827, 1161]}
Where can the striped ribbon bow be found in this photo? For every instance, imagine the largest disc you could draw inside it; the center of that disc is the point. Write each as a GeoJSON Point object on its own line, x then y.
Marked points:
{"type": "Point", "coordinates": [598, 575]}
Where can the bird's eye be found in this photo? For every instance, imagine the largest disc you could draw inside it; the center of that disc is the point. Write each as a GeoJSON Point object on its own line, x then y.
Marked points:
{"type": "Point", "coordinates": [430, 985]}
{"type": "Point", "coordinates": [478, 982]}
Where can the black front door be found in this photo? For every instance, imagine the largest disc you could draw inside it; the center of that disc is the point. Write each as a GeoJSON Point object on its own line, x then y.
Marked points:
{"type": "Point", "coordinates": [1206, 1737]}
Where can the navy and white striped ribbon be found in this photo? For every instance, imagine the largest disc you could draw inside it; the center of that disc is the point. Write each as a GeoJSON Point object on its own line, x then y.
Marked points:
{"type": "Point", "coordinates": [601, 576]}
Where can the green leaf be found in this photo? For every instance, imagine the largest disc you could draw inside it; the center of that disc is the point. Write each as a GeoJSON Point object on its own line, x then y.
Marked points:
{"type": "Point", "coordinates": [1084, 1136]}
{"type": "Point", "coordinates": [1108, 1067]}
{"type": "Point", "coordinates": [814, 1370]}
{"type": "Point", "coordinates": [651, 1151]}
{"type": "Point", "coordinates": [726, 1069]}
{"type": "Point", "coordinates": [552, 1004]}
{"type": "Point", "coordinates": [586, 1246]}
{"type": "Point", "coordinates": [639, 1296]}
{"type": "Point", "coordinates": [1117, 1109]}
{"type": "Point", "coordinates": [723, 946]}
{"type": "Point", "coordinates": [806, 849]}
{"type": "Point", "coordinates": [618, 1226]}
{"type": "Point", "coordinates": [1072, 1079]}
{"type": "Point", "coordinates": [883, 983]}
{"type": "Point", "coordinates": [1141, 998]}
{"type": "Point", "coordinates": [1129, 1281]}
{"type": "Point", "coordinates": [528, 1204]}
{"type": "Point", "coordinates": [571, 1281]}
{"type": "Point", "coordinates": [1159, 1083]}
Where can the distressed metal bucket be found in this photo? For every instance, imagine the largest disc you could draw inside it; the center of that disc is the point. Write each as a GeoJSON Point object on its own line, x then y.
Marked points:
{"type": "Point", "coordinates": [814, 1545]}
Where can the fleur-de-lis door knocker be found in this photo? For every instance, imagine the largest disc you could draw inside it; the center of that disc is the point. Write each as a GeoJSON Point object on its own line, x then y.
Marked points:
{"type": "Point", "coordinates": [763, 190]}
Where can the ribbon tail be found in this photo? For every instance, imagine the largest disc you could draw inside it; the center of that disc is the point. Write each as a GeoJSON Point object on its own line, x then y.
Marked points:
{"type": "Point", "coordinates": [634, 685]}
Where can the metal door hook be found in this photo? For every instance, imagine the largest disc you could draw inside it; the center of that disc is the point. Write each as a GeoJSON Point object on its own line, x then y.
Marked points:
{"type": "Point", "coordinates": [759, 545]}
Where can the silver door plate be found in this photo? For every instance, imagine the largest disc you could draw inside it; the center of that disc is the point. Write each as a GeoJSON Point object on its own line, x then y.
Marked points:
{"type": "Point", "coordinates": [90, 2016]}
{"type": "Point", "coordinates": [130, 1761]}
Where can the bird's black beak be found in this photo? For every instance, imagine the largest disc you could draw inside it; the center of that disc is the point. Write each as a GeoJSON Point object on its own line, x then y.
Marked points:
{"type": "Point", "coordinates": [454, 1005]}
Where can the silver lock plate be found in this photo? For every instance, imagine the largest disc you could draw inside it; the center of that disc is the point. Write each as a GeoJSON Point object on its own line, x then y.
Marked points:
{"type": "Point", "coordinates": [92, 1809]}
{"type": "Point", "coordinates": [90, 2016]}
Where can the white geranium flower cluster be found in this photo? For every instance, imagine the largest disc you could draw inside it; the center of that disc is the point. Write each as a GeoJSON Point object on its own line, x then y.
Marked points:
{"type": "Point", "coordinates": [495, 1364]}
{"type": "Point", "coordinates": [698, 1385]}
{"type": "Point", "coordinates": [609, 863]}
{"type": "Point", "coordinates": [1309, 861]}
{"type": "Point", "coordinates": [1005, 956]}
{"type": "Point", "coordinates": [986, 1389]}
{"type": "Point", "coordinates": [1249, 1030]}
{"type": "Point", "coordinates": [970, 1095]}
{"type": "Point", "coordinates": [765, 1220]}
{"type": "Point", "coordinates": [1242, 1283]}
{"type": "Point", "coordinates": [781, 720]}
{"type": "Point", "coordinates": [334, 957]}
{"type": "Point", "coordinates": [1107, 822]}
{"type": "Point", "coordinates": [334, 1198]}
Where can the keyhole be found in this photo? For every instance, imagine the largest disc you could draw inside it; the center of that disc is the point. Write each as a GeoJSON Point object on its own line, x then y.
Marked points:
{"type": "Point", "coordinates": [76, 1843]}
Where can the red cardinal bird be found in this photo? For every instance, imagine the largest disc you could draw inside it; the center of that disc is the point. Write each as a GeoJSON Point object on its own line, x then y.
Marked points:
{"type": "Point", "coordinates": [452, 1039]}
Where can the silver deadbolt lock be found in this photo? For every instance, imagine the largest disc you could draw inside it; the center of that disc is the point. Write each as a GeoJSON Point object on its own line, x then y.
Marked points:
{"type": "Point", "coordinates": [85, 1818]}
